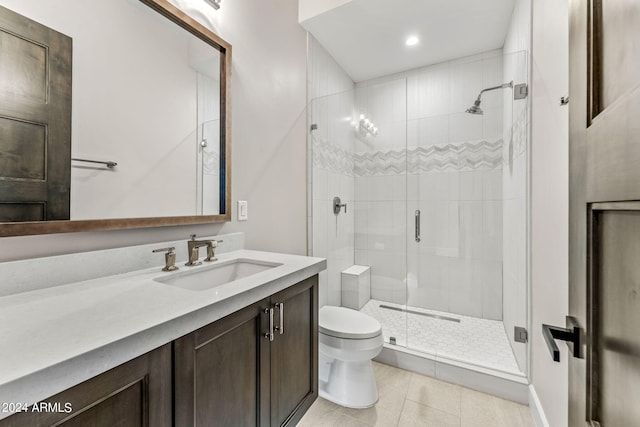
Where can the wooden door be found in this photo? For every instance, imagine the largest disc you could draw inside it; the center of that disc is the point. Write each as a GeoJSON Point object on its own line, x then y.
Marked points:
{"type": "Point", "coordinates": [294, 352]}
{"type": "Point", "coordinates": [221, 372]}
{"type": "Point", "coordinates": [136, 394]}
{"type": "Point", "coordinates": [604, 244]}
{"type": "Point", "coordinates": [35, 120]}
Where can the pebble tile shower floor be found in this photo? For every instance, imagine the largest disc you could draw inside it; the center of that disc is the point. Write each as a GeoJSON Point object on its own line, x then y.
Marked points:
{"type": "Point", "coordinates": [408, 399]}
{"type": "Point", "coordinates": [472, 340]}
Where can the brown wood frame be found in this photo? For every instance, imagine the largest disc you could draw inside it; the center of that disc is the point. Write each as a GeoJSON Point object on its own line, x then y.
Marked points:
{"type": "Point", "coordinates": [182, 19]}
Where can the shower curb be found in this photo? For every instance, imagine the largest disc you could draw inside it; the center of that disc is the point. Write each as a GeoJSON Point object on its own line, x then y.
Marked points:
{"type": "Point", "coordinates": [509, 386]}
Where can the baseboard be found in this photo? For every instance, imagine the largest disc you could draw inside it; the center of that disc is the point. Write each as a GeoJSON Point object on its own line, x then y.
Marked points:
{"type": "Point", "coordinates": [537, 412]}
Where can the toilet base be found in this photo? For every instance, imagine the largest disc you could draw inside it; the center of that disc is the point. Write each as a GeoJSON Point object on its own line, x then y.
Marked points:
{"type": "Point", "coordinates": [349, 384]}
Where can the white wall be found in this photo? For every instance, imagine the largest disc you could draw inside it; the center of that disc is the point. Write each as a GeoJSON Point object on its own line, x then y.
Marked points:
{"type": "Point", "coordinates": [331, 93]}
{"type": "Point", "coordinates": [268, 134]}
{"type": "Point", "coordinates": [549, 221]}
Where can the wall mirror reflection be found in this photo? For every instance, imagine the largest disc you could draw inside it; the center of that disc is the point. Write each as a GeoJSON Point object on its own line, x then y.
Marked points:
{"type": "Point", "coordinates": [111, 115]}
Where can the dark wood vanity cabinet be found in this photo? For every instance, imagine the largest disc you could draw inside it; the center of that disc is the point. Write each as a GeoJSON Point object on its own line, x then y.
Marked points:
{"type": "Point", "coordinates": [136, 393]}
{"type": "Point", "coordinates": [294, 353]}
{"type": "Point", "coordinates": [233, 372]}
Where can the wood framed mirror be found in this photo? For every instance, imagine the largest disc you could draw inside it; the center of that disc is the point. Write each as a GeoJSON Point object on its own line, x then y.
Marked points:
{"type": "Point", "coordinates": [179, 164]}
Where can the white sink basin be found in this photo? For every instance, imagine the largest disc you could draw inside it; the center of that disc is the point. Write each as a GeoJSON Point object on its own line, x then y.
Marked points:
{"type": "Point", "coordinates": [216, 274]}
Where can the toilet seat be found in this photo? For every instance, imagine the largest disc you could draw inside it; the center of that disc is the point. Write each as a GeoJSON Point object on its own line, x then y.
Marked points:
{"type": "Point", "coordinates": [346, 323]}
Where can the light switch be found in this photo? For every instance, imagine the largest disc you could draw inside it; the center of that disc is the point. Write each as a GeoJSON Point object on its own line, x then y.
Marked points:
{"type": "Point", "coordinates": [243, 210]}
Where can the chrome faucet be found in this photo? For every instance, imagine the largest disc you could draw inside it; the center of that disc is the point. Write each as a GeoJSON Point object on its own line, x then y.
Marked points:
{"type": "Point", "coordinates": [169, 258]}
{"type": "Point", "coordinates": [193, 248]}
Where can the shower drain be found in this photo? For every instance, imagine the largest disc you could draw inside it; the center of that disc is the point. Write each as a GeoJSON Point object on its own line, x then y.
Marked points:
{"type": "Point", "coordinates": [435, 316]}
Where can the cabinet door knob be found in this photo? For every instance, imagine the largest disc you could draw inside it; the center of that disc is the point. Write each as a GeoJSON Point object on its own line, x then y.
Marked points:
{"type": "Point", "coordinates": [269, 333]}
{"type": "Point", "coordinates": [280, 307]}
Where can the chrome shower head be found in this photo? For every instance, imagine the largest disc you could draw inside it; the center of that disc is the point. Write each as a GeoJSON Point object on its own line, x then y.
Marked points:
{"type": "Point", "coordinates": [475, 108]}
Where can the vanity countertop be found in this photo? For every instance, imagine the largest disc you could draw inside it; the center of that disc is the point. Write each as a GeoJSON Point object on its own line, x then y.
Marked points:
{"type": "Point", "coordinates": [55, 338]}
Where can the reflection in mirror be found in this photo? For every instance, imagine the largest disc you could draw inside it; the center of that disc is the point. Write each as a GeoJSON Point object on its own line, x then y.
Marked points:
{"type": "Point", "coordinates": [156, 108]}
{"type": "Point", "coordinates": [148, 95]}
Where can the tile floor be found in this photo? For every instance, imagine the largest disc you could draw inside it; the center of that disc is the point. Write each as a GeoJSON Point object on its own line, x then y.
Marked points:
{"type": "Point", "coordinates": [408, 399]}
{"type": "Point", "coordinates": [473, 340]}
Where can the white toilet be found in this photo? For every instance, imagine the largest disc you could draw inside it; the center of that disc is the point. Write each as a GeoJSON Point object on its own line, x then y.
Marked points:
{"type": "Point", "coordinates": [348, 341]}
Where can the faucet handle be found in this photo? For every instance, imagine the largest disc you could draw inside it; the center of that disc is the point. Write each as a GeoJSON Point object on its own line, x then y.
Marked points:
{"type": "Point", "coordinates": [211, 250]}
{"type": "Point", "coordinates": [169, 258]}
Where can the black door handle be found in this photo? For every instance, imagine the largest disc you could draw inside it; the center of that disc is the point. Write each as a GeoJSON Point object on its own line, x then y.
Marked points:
{"type": "Point", "coordinates": [571, 334]}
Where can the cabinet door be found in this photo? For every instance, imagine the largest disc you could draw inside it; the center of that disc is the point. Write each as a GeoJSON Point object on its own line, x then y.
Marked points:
{"type": "Point", "coordinates": [294, 353]}
{"type": "Point", "coordinates": [136, 393]}
{"type": "Point", "coordinates": [222, 372]}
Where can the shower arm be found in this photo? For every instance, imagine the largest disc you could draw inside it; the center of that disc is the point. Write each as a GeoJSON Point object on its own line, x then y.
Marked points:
{"type": "Point", "coordinates": [502, 86]}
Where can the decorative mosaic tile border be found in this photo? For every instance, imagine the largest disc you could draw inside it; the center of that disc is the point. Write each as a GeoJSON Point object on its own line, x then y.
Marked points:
{"type": "Point", "coordinates": [521, 131]}
{"type": "Point", "coordinates": [446, 157]}
{"type": "Point", "coordinates": [331, 157]}
{"type": "Point", "coordinates": [477, 155]}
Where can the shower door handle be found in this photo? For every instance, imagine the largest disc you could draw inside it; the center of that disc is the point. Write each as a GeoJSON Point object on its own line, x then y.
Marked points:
{"type": "Point", "coordinates": [417, 226]}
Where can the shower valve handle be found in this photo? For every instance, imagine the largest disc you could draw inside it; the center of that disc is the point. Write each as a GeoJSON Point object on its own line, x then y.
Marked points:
{"type": "Point", "coordinates": [337, 205]}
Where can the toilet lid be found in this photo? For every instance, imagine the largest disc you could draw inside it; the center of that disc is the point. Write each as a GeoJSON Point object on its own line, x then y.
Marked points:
{"type": "Point", "coordinates": [341, 322]}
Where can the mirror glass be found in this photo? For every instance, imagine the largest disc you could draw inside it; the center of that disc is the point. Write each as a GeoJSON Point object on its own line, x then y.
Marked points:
{"type": "Point", "coordinates": [146, 95]}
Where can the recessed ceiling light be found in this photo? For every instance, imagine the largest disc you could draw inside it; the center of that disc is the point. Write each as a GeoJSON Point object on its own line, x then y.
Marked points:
{"type": "Point", "coordinates": [412, 41]}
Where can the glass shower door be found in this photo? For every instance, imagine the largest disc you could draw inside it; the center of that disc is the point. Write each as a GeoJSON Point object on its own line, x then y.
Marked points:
{"type": "Point", "coordinates": [458, 165]}
{"type": "Point", "coordinates": [380, 174]}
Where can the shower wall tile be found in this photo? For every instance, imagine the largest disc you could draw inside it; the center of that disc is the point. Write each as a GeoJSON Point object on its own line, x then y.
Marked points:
{"type": "Point", "coordinates": [489, 274]}
{"type": "Point", "coordinates": [395, 186]}
{"type": "Point", "coordinates": [428, 186]}
{"type": "Point", "coordinates": [319, 184]}
{"type": "Point", "coordinates": [465, 127]}
{"type": "Point", "coordinates": [362, 257]}
{"type": "Point", "coordinates": [466, 84]}
{"type": "Point", "coordinates": [433, 130]}
{"type": "Point", "coordinates": [471, 185]}
{"type": "Point", "coordinates": [320, 218]}
{"type": "Point", "coordinates": [492, 230]}
{"type": "Point", "coordinates": [492, 123]}
{"type": "Point", "coordinates": [466, 289]}
{"type": "Point", "coordinates": [471, 222]}
{"type": "Point", "coordinates": [447, 186]}
{"type": "Point", "coordinates": [491, 77]}
{"type": "Point", "coordinates": [333, 185]}
{"type": "Point", "coordinates": [361, 188]}
{"type": "Point", "coordinates": [413, 186]}
{"type": "Point", "coordinates": [332, 147]}
{"type": "Point", "coordinates": [381, 187]}
{"type": "Point", "coordinates": [434, 89]}
{"type": "Point", "coordinates": [361, 213]}
{"type": "Point", "coordinates": [492, 184]}
{"type": "Point", "coordinates": [428, 226]}
{"type": "Point", "coordinates": [433, 284]}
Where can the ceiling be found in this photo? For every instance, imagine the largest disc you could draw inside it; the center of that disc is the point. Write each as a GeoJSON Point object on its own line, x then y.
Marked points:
{"type": "Point", "coordinates": [367, 37]}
